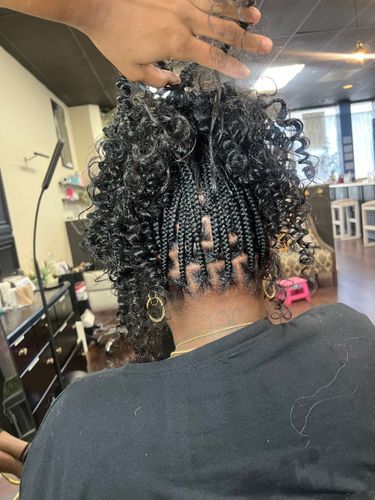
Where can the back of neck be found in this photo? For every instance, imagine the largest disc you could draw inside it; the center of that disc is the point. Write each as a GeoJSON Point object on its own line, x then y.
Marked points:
{"type": "Point", "coordinates": [199, 314]}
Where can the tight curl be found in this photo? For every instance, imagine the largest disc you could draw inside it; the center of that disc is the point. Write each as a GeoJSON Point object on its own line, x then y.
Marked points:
{"type": "Point", "coordinates": [172, 158]}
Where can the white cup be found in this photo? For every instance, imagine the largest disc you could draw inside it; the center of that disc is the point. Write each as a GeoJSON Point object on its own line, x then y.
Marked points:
{"type": "Point", "coordinates": [5, 294]}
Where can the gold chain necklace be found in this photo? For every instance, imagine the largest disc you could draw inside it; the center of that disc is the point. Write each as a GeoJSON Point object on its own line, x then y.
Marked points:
{"type": "Point", "coordinates": [178, 352]}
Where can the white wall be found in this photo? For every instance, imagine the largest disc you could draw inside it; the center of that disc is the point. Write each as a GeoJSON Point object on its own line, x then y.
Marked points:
{"type": "Point", "coordinates": [87, 127]}
{"type": "Point", "coordinates": [26, 125]}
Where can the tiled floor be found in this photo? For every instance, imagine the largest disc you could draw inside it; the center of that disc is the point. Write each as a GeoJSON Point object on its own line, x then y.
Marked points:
{"type": "Point", "coordinates": [356, 288]}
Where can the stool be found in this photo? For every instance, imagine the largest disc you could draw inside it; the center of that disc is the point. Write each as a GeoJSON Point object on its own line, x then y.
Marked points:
{"type": "Point", "coordinates": [295, 289]}
{"type": "Point", "coordinates": [368, 221]}
{"type": "Point", "coordinates": [347, 226]}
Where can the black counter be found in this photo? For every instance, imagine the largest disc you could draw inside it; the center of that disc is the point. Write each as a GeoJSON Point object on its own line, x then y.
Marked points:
{"type": "Point", "coordinates": [17, 321]}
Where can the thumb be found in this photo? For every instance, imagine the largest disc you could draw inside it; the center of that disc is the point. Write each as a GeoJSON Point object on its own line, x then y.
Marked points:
{"type": "Point", "coordinates": [156, 77]}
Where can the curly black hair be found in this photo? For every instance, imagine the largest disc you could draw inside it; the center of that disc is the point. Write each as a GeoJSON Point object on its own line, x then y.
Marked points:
{"type": "Point", "coordinates": [174, 156]}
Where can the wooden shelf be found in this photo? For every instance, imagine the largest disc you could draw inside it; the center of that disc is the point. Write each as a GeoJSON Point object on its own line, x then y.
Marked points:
{"type": "Point", "coordinates": [65, 200]}
{"type": "Point", "coordinates": [62, 184]}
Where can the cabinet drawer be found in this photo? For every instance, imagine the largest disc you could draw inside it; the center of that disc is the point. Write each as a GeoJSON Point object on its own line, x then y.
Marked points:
{"type": "Point", "coordinates": [66, 340]}
{"type": "Point", "coordinates": [38, 377]}
{"type": "Point", "coordinates": [77, 362]}
{"type": "Point", "coordinates": [24, 350]}
{"type": "Point", "coordinates": [63, 308]}
{"type": "Point", "coordinates": [41, 330]}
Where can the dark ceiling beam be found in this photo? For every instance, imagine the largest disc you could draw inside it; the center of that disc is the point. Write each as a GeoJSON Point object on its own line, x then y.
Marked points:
{"type": "Point", "coordinates": [21, 55]}
{"type": "Point", "coordinates": [90, 65]}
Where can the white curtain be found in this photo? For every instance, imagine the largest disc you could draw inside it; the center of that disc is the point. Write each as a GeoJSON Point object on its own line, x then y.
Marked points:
{"type": "Point", "coordinates": [322, 127]}
{"type": "Point", "coordinates": [363, 143]}
{"type": "Point", "coordinates": [315, 130]}
{"type": "Point", "coordinates": [333, 135]}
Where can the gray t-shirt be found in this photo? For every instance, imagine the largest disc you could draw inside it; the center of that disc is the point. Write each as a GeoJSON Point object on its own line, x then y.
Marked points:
{"type": "Point", "coordinates": [268, 412]}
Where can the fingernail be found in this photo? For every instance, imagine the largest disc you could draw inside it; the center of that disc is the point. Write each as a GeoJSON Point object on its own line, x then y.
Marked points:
{"type": "Point", "coordinates": [175, 79]}
{"type": "Point", "coordinates": [255, 14]}
{"type": "Point", "coordinates": [245, 72]}
{"type": "Point", "coordinates": [267, 44]}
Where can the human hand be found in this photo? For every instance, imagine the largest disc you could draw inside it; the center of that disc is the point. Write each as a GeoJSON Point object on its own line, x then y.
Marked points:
{"type": "Point", "coordinates": [135, 34]}
{"type": "Point", "coordinates": [11, 449]}
{"type": "Point", "coordinates": [10, 465]}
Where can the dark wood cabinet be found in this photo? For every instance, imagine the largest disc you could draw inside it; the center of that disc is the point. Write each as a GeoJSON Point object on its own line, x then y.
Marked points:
{"type": "Point", "coordinates": [30, 352]}
{"type": "Point", "coordinates": [24, 350]}
{"type": "Point", "coordinates": [66, 340]}
{"type": "Point", "coordinates": [38, 376]}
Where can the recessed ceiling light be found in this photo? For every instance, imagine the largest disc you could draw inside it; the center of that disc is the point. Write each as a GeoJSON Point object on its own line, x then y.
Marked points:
{"type": "Point", "coordinates": [348, 86]}
{"type": "Point", "coordinates": [277, 77]}
{"type": "Point", "coordinates": [324, 101]}
{"type": "Point", "coordinates": [360, 52]}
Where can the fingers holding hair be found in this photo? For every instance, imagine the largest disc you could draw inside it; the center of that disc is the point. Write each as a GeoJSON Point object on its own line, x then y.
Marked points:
{"type": "Point", "coordinates": [153, 76]}
{"type": "Point", "coordinates": [226, 8]}
{"type": "Point", "coordinates": [231, 33]}
{"type": "Point", "coordinates": [211, 57]}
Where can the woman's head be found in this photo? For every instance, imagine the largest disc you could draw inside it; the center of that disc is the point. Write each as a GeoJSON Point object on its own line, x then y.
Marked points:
{"type": "Point", "coordinates": [196, 191]}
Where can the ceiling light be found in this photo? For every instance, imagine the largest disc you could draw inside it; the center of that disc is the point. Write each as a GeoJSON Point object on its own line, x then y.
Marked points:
{"type": "Point", "coordinates": [348, 86]}
{"type": "Point", "coordinates": [277, 77]}
{"type": "Point", "coordinates": [324, 101]}
{"type": "Point", "coordinates": [360, 52]}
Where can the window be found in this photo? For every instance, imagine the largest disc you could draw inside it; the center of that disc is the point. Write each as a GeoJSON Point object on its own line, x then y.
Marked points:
{"type": "Point", "coordinates": [363, 127]}
{"type": "Point", "coordinates": [322, 127]}
{"type": "Point", "coordinates": [59, 117]}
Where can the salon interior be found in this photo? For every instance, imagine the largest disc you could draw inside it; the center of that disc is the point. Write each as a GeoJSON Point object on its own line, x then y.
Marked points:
{"type": "Point", "coordinates": [56, 86]}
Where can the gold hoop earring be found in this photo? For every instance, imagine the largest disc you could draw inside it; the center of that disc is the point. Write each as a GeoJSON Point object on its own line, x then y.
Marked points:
{"type": "Point", "coordinates": [266, 288]}
{"type": "Point", "coordinates": [282, 240]}
{"type": "Point", "coordinates": [10, 479]}
{"type": "Point", "coordinates": [153, 301]}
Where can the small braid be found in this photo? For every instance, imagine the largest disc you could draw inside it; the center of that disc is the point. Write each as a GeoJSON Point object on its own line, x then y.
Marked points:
{"type": "Point", "coordinates": [172, 226]}
{"type": "Point", "coordinates": [189, 237]}
{"type": "Point", "coordinates": [216, 235]}
{"type": "Point", "coordinates": [164, 243]}
{"type": "Point", "coordinates": [181, 240]}
{"type": "Point", "coordinates": [236, 226]}
{"type": "Point", "coordinates": [196, 226]}
{"type": "Point", "coordinates": [246, 228]}
{"type": "Point", "coordinates": [168, 228]}
{"type": "Point", "coordinates": [225, 225]}
{"type": "Point", "coordinates": [259, 231]}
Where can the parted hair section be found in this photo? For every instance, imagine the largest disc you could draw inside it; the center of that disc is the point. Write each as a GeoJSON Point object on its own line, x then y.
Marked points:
{"type": "Point", "coordinates": [196, 188]}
